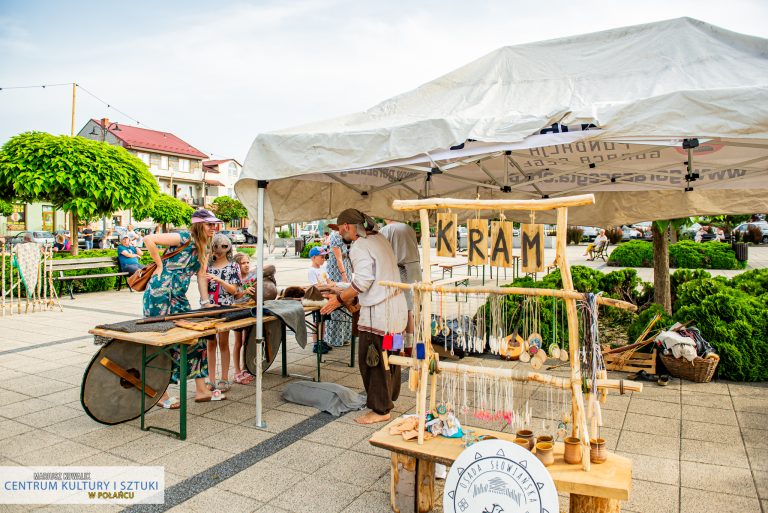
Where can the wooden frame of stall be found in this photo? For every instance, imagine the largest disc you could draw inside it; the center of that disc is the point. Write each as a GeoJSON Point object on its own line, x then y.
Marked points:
{"type": "Point", "coordinates": [568, 294]}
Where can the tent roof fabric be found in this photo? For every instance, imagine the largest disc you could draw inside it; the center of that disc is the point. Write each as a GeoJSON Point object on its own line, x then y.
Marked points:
{"type": "Point", "coordinates": [607, 112]}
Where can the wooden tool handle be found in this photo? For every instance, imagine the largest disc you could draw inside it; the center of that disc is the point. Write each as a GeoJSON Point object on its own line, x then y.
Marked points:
{"type": "Point", "coordinates": [130, 378]}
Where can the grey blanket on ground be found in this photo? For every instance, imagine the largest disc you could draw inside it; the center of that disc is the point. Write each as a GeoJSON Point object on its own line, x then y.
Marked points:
{"type": "Point", "coordinates": [331, 397]}
{"type": "Point", "coordinates": [292, 314]}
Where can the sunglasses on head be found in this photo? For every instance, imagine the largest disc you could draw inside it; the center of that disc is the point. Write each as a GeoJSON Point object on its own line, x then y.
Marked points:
{"type": "Point", "coordinates": [221, 246]}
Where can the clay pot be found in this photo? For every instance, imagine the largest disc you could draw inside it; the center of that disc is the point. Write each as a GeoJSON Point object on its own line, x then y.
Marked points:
{"type": "Point", "coordinates": [572, 453]}
{"type": "Point", "coordinates": [545, 438]}
{"type": "Point", "coordinates": [528, 435]}
{"type": "Point", "coordinates": [545, 451]}
{"type": "Point", "coordinates": [597, 451]}
{"type": "Point", "coordinates": [522, 442]}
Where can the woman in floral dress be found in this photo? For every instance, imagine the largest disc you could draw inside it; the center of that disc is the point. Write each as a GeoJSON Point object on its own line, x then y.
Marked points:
{"type": "Point", "coordinates": [338, 330]}
{"type": "Point", "coordinates": [166, 292]}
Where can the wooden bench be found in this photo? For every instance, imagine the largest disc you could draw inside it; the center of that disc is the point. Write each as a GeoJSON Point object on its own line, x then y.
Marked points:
{"type": "Point", "coordinates": [72, 264]}
{"type": "Point", "coordinates": [600, 490]}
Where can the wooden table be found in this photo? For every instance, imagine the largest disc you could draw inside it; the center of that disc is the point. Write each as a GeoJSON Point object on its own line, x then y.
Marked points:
{"type": "Point", "coordinates": [182, 338]}
{"type": "Point", "coordinates": [600, 490]}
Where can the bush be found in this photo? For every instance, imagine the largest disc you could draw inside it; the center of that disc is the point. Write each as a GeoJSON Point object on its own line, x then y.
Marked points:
{"type": "Point", "coordinates": [685, 275]}
{"type": "Point", "coordinates": [754, 283]}
{"type": "Point", "coordinates": [247, 251]}
{"type": "Point", "coordinates": [684, 254]}
{"type": "Point", "coordinates": [614, 235]}
{"type": "Point", "coordinates": [285, 234]}
{"type": "Point", "coordinates": [91, 284]}
{"type": "Point", "coordinates": [753, 234]}
{"type": "Point", "coordinates": [635, 253]}
{"type": "Point", "coordinates": [307, 247]}
{"type": "Point", "coordinates": [736, 325]}
{"type": "Point", "coordinates": [574, 234]}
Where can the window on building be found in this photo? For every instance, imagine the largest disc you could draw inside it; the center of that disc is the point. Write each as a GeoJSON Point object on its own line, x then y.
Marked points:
{"type": "Point", "coordinates": [184, 165]}
{"type": "Point", "coordinates": [233, 169]}
{"type": "Point", "coordinates": [143, 156]}
{"type": "Point", "coordinates": [48, 219]}
{"type": "Point", "coordinates": [163, 162]}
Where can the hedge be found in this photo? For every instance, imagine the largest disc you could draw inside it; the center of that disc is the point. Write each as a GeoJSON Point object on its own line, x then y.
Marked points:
{"type": "Point", "coordinates": [307, 247]}
{"type": "Point", "coordinates": [684, 254]}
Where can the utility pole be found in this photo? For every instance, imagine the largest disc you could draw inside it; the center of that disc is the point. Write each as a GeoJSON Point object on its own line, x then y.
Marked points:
{"type": "Point", "coordinates": [74, 100]}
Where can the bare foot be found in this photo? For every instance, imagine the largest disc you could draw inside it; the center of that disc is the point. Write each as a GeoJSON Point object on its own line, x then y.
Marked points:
{"type": "Point", "coordinates": [372, 418]}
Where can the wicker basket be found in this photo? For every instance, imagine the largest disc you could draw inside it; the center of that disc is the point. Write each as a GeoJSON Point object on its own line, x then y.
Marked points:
{"type": "Point", "coordinates": [700, 370]}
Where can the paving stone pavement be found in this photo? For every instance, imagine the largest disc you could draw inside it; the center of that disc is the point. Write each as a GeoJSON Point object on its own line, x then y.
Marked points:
{"type": "Point", "coordinates": [695, 447]}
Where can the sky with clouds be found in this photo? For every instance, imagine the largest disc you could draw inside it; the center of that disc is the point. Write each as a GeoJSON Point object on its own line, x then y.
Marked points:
{"type": "Point", "coordinates": [218, 73]}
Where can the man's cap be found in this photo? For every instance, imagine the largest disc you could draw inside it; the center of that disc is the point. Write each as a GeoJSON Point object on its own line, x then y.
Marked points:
{"type": "Point", "coordinates": [353, 216]}
{"type": "Point", "coordinates": [202, 215]}
{"type": "Point", "coordinates": [317, 251]}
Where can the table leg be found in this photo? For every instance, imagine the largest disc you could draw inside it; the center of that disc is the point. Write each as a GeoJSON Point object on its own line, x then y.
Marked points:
{"type": "Point", "coordinates": [284, 348]}
{"type": "Point", "coordinates": [184, 372]}
{"type": "Point", "coordinates": [319, 329]}
{"type": "Point", "coordinates": [589, 504]}
{"type": "Point", "coordinates": [143, 382]}
{"type": "Point", "coordinates": [425, 485]}
{"type": "Point", "coordinates": [394, 479]}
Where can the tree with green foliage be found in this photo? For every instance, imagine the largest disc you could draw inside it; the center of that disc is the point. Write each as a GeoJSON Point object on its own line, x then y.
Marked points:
{"type": "Point", "coordinates": [6, 208]}
{"type": "Point", "coordinates": [229, 209]}
{"type": "Point", "coordinates": [83, 177]}
{"type": "Point", "coordinates": [166, 210]}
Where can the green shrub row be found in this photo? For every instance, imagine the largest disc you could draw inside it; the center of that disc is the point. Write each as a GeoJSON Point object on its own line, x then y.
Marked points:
{"type": "Point", "coordinates": [307, 247]}
{"type": "Point", "coordinates": [683, 254]}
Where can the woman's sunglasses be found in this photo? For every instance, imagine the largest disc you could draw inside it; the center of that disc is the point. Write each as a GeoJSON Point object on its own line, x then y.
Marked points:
{"type": "Point", "coordinates": [221, 246]}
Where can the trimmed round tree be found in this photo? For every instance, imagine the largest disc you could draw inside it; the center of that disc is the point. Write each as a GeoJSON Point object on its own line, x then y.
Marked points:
{"type": "Point", "coordinates": [228, 209]}
{"type": "Point", "coordinates": [77, 175]}
{"type": "Point", "coordinates": [166, 210]}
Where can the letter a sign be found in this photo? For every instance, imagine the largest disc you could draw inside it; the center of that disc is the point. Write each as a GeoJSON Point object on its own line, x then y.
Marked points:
{"type": "Point", "coordinates": [447, 224]}
{"type": "Point", "coordinates": [477, 241]}
{"type": "Point", "coordinates": [501, 243]}
{"type": "Point", "coordinates": [532, 248]}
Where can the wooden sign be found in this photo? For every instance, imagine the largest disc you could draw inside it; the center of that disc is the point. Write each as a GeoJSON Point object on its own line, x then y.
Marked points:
{"type": "Point", "coordinates": [501, 243]}
{"type": "Point", "coordinates": [477, 241]}
{"type": "Point", "coordinates": [447, 227]}
{"type": "Point", "coordinates": [532, 248]}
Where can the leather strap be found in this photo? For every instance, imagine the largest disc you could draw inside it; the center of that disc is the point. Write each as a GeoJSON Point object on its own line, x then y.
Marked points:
{"type": "Point", "coordinates": [176, 251]}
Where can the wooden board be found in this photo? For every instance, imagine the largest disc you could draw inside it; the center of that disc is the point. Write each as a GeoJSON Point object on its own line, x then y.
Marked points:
{"type": "Point", "coordinates": [477, 241]}
{"type": "Point", "coordinates": [447, 230]}
{"type": "Point", "coordinates": [638, 362]}
{"type": "Point", "coordinates": [532, 248]}
{"type": "Point", "coordinates": [197, 324]}
{"type": "Point", "coordinates": [501, 244]}
{"type": "Point", "coordinates": [610, 480]}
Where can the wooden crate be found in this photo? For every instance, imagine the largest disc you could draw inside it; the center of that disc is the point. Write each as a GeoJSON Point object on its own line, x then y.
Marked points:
{"type": "Point", "coordinates": [637, 362]}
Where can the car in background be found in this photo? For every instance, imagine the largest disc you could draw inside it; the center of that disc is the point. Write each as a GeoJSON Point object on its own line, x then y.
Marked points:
{"type": "Point", "coordinates": [235, 236]}
{"type": "Point", "coordinates": [250, 238]}
{"type": "Point", "coordinates": [309, 231]}
{"type": "Point", "coordinates": [41, 237]}
{"type": "Point", "coordinates": [762, 225]}
{"type": "Point", "coordinates": [629, 233]}
{"type": "Point", "coordinates": [589, 233]}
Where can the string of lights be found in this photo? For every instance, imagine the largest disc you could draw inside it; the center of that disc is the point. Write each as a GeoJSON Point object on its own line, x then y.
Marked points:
{"type": "Point", "coordinates": [104, 102]}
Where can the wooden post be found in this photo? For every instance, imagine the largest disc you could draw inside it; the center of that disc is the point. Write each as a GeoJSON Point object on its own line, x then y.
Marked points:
{"type": "Point", "coordinates": [425, 485]}
{"type": "Point", "coordinates": [426, 319]}
{"type": "Point", "coordinates": [578, 415]}
{"type": "Point", "coordinates": [588, 504]}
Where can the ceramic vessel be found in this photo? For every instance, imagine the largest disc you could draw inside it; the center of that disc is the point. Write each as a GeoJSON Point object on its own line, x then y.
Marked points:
{"type": "Point", "coordinates": [597, 451]}
{"type": "Point", "coordinates": [572, 453]}
{"type": "Point", "coordinates": [545, 451]}
{"type": "Point", "coordinates": [528, 435]}
{"type": "Point", "coordinates": [522, 442]}
{"type": "Point", "coordinates": [545, 438]}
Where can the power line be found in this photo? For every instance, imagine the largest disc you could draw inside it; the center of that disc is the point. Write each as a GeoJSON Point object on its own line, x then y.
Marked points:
{"type": "Point", "coordinates": [104, 102]}
{"type": "Point", "coordinates": [36, 86]}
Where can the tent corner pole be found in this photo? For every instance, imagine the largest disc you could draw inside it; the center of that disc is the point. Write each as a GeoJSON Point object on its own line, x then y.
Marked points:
{"type": "Point", "coordinates": [262, 185]}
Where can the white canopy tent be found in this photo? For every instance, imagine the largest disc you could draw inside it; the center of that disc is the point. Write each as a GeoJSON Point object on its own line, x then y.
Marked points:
{"type": "Point", "coordinates": [659, 121]}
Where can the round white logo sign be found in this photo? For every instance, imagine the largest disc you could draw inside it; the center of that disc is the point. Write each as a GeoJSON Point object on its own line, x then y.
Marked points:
{"type": "Point", "coordinates": [496, 476]}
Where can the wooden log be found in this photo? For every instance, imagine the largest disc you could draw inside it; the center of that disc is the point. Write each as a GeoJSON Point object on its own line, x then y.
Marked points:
{"type": "Point", "coordinates": [426, 319]}
{"type": "Point", "coordinates": [425, 485]}
{"type": "Point", "coordinates": [588, 504]}
{"type": "Point", "coordinates": [394, 479]}
{"type": "Point", "coordinates": [494, 205]}
{"type": "Point", "coordinates": [500, 291]}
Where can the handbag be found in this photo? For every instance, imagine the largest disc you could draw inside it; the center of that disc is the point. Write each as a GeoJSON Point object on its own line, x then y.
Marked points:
{"type": "Point", "coordinates": [138, 281]}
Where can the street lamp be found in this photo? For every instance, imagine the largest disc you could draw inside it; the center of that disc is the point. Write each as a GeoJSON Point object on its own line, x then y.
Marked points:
{"type": "Point", "coordinates": [104, 126]}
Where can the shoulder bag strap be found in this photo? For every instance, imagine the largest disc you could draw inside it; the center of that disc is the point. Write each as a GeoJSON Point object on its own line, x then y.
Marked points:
{"type": "Point", "coordinates": [176, 251]}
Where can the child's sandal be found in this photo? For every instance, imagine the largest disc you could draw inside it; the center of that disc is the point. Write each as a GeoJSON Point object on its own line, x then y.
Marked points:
{"type": "Point", "coordinates": [223, 385]}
